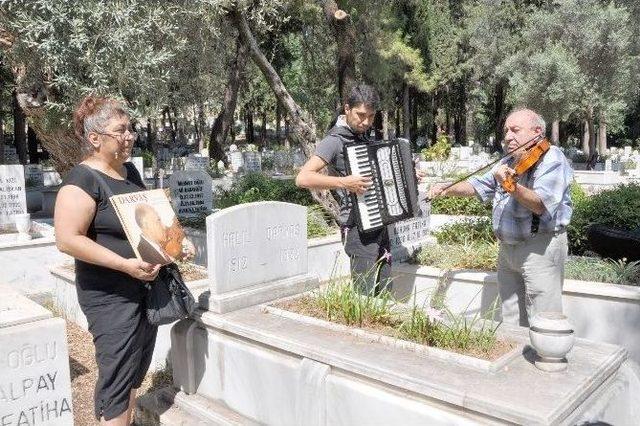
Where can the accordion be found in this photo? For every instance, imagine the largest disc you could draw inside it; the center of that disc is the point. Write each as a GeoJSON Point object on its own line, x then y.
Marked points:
{"type": "Point", "coordinates": [393, 195]}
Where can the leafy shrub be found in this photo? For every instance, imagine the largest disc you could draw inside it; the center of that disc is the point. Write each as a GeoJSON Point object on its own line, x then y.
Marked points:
{"type": "Point", "coordinates": [147, 158]}
{"type": "Point", "coordinates": [618, 208]}
{"type": "Point", "coordinates": [470, 206]}
{"type": "Point", "coordinates": [258, 187]}
{"type": "Point", "coordinates": [468, 230]}
{"type": "Point", "coordinates": [439, 151]}
{"type": "Point", "coordinates": [468, 255]}
{"type": "Point", "coordinates": [318, 223]}
{"type": "Point", "coordinates": [601, 270]}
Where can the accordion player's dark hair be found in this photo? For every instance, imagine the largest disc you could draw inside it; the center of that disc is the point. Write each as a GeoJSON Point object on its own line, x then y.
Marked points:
{"type": "Point", "coordinates": [363, 94]}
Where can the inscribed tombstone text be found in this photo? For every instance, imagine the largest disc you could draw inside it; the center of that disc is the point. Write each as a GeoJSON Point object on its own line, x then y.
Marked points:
{"type": "Point", "coordinates": [12, 193]}
{"type": "Point", "coordinates": [255, 243]}
{"type": "Point", "coordinates": [191, 193]}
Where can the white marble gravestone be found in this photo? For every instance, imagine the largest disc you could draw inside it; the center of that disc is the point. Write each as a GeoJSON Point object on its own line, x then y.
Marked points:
{"type": "Point", "coordinates": [35, 385]}
{"type": "Point", "coordinates": [139, 163]}
{"type": "Point", "coordinates": [256, 252]}
{"type": "Point", "coordinates": [237, 160]}
{"type": "Point", "coordinates": [191, 193]}
{"type": "Point", "coordinates": [12, 193]}
{"type": "Point", "coordinates": [34, 173]}
{"type": "Point", "coordinates": [194, 162]}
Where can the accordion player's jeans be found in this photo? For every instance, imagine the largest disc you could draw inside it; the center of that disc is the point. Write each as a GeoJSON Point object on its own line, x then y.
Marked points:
{"type": "Point", "coordinates": [530, 276]}
{"type": "Point", "coordinates": [370, 259]}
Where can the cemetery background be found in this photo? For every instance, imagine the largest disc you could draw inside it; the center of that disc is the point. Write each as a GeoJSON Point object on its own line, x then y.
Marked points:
{"type": "Point", "coordinates": [246, 138]}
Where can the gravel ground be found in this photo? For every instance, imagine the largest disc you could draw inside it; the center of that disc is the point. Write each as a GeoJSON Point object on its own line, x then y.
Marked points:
{"type": "Point", "coordinates": [84, 374]}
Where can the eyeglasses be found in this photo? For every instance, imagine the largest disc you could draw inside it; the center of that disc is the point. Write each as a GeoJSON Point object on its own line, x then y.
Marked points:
{"type": "Point", "coordinates": [120, 135]}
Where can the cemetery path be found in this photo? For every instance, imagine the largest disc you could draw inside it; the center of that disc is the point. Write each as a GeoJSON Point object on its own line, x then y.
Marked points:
{"type": "Point", "coordinates": [84, 373]}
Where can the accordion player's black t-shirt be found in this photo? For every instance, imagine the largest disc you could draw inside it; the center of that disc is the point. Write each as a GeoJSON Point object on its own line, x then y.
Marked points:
{"type": "Point", "coordinates": [330, 149]}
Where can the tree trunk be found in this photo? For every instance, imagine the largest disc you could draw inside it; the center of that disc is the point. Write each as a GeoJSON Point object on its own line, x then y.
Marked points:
{"type": "Point", "coordinates": [397, 130]}
{"type": "Point", "coordinates": [19, 133]}
{"type": "Point", "coordinates": [287, 144]}
{"type": "Point", "coordinates": [249, 133]}
{"type": "Point", "coordinates": [555, 132]}
{"type": "Point", "coordinates": [32, 143]}
{"type": "Point", "coordinates": [202, 124]}
{"type": "Point", "coordinates": [592, 132]}
{"type": "Point", "coordinates": [378, 124]}
{"type": "Point", "coordinates": [345, 37]}
{"type": "Point", "coordinates": [302, 131]}
{"type": "Point", "coordinates": [224, 121]}
{"type": "Point", "coordinates": [385, 124]}
{"type": "Point", "coordinates": [406, 112]}
{"type": "Point", "coordinates": [602, 133]}
{"type": "Point", "coordinates": [585, 138]}
{"type": "Point", "coordinates": [263, 131]}
{"type": "Point", "coordinates": [498, 113]}
{"type": "Point", "coordinates": [414, 120]}
{"type": "Point", "coordinates": [1, 126]}
{"type": "Point", "coordinates": [278, 120]}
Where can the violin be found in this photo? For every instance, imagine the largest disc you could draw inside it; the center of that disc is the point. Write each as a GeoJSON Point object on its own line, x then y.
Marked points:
{"type": "Point", "coordinates": [527, 146]}
{"type": "Point", "coordinates": [529, 158]}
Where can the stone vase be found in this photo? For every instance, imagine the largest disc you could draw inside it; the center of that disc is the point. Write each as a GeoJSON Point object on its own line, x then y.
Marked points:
{"type": "Point", "coordinates": [552, 336]}
{"type": "Point", "coordinates": [23, 226]}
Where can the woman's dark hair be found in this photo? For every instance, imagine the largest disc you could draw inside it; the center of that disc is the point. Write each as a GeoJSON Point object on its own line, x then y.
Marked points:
{"type": "Point", "coordinates": [363, 94]}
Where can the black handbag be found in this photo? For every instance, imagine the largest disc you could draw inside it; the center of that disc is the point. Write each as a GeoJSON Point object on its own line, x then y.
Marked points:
{"type": "Point", "coordinates": [168, 298]}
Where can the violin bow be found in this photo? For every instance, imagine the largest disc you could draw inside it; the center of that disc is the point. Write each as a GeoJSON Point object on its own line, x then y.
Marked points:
{"type": "Point", "coordinates": [507, 155]}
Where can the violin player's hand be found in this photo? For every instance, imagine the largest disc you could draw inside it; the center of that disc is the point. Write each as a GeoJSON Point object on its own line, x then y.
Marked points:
{"type": "Point", "coordinates": [503, 172]}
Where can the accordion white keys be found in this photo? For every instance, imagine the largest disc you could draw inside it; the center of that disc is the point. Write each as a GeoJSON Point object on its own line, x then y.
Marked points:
{"type": "Point", "coordinates": [393, 195]}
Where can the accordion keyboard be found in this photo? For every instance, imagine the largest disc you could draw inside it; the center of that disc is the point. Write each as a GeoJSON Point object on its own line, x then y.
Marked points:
{"type": "Point", "coordinates": [368, 204]}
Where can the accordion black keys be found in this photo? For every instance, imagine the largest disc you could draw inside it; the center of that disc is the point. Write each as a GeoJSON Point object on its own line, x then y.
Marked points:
{"type": "Point", "coordinates": [393, 196]}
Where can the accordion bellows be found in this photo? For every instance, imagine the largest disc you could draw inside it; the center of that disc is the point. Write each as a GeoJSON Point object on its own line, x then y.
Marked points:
{"type": "Point", "coordinates": [393, 196]}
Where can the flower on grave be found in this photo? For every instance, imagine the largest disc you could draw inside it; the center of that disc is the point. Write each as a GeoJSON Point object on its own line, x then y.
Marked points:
{"type": "Point", "coordinates": [434, 315]}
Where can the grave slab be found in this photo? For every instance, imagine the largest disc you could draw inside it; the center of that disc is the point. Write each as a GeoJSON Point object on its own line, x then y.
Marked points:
{"type": "Point", "coordinates": [35, 384]}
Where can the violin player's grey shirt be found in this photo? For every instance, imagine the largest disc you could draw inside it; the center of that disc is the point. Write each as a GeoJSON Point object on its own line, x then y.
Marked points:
{"type": "Point", "coordinates": [550, 179]}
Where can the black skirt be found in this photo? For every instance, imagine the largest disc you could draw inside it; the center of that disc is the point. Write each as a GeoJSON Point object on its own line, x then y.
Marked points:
{"type": "Point", "coordinates": [124, 342]}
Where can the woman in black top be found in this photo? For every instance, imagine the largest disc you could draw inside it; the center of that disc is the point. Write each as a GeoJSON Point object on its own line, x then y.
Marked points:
{"type": "Point", "coordinates": [109, 277]}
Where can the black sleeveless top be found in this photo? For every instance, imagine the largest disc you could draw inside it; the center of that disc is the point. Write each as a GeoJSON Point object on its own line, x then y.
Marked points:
{"type": "Point", "coordinates": [97, 285]}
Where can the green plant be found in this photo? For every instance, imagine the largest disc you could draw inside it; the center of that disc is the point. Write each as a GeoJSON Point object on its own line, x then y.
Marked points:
{"type": "Point", "coordinates": [618, 208]}
{"type": "Point", "coordinates": [602, 270]}
{"type": "Point", "coordinates": [470, 206]}
{"type": "Point", "coordinates": [340, 301]}
{"type": "Point", "coordinates": [147, 158]}
{"type": "Point", "coordinates": [467, 255]}
{"type": "Point", "coordinates": [467, 230]}
{"type": "Point", "coordinates": [439, 151]}
{"type": "Point", "coordinates": [318, 222]}
{"type": "Point", "coordinates": [258, 187]}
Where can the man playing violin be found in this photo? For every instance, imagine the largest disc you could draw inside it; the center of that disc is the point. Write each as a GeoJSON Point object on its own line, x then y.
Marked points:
{"type": "Point", "coordinates": [529, 220]}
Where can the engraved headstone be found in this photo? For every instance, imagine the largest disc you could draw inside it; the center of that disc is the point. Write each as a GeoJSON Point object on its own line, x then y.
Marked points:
{"type": "Point", "coordinates": [254, 243]}
{"type": "Point", "coordinates": [35, 384]}
{"type": "Point", "coordinates": [237, 161]}
{"type": "Point", "coordinates": [34, 174]}
{"type": "Point", "coordinates": [196, 162]}
{"type": "Point", "coordinates": [11, 155]}
{"type": "Point", "coordinates": [12, 193]}
{"type": "Point", "coordinates": [252, 161]}
{"type": "Point", "coordinates": [191, 193]}
{"type": "Point", "coordinates": [409, 235]}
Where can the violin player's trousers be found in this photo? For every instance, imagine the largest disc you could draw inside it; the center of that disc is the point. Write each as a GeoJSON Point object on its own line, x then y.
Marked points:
{"type": "Point", "coordinates": [531, 275]}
